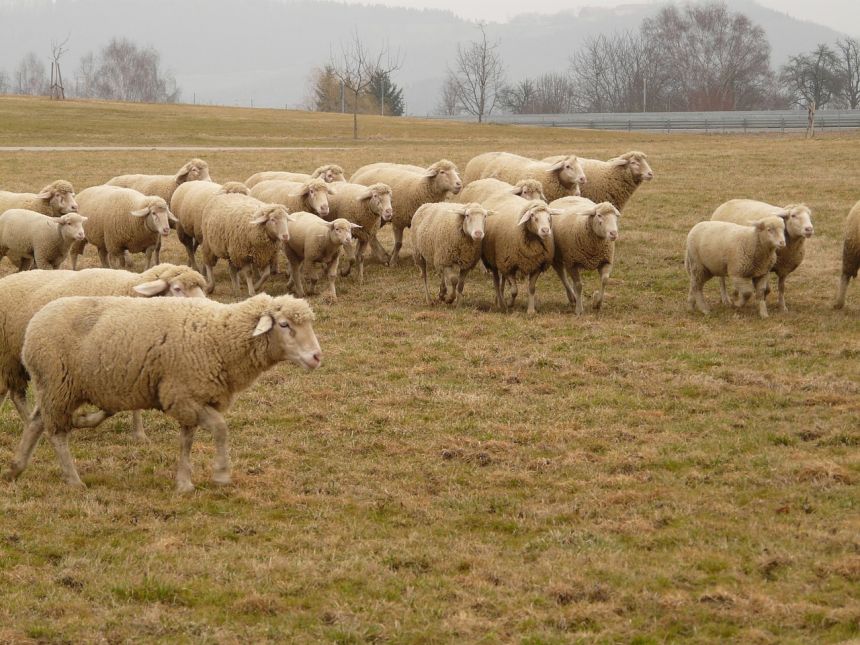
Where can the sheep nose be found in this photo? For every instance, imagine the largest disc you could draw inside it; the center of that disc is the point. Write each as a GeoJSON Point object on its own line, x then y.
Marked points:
{"type": "Point", "coordinates": [544, 231]}
{"type": "Point", "coordinates": [808, 231]}
{"type": "Point", "coordinates": [323, 210]}
{"type": "Point", "coordinates": [388, 215]}
{"type": "Point", "coordinates": [613, 235]}
{"type": "Point", "coordinates": [649, 175]}
{"type": "Point", "coordinates": [285, 237]}
{"type": "Point", "coordinates": [583, 180]}
{"type": "Point", "coordinates": [478, 235]}
{"type": "Point", "coordinates": [165, 231]}
{"type": "Point", "coordinates": [73, 208]}
{"type": "Point", "coordinates": [316, 360]}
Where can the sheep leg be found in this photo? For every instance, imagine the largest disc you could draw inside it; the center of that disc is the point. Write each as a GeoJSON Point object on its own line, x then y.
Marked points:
{"type": "Point", "coordinates": [422, 265]}
{"type": "Point", "coordinates": [249, 279]}
{"type": "Point", "coordinates": [560, 271]}
{"type": "Point", "coordinates": [597, 296]}
{"type": "Point", "coordinates": [576, 281]}
{"type": "Point", "coordinates": [156, 253]}
{"type": "Point", "coordinates": [183, 469]}
{"type": "Point", "coordinates": [398, 243]}
{"type": "Point", "coordinates": [840, 293]}
{"type": "Point", "coordinates": [332, 276]}
{"type": "Point", "coordinates": [60, 441]}
{"type": "Point", "coordinates": [210, 419]}
{"type": "Point", "coordinates": [533, 278]}
{"type": "Point", "coordinates": [461, 284]}
{"type": "Point", "coordinates": [19, 400]}
{"type": "Point", "coordinates": [780, 287]}
{"type": "Point", "coordinates": [137, 426]}
{"type": "Point", "coordinates": [296, 272]}
{"type": "Point", "coordinates": [76, 249]}
{"type": "Point", "coordinates": [696, 299]}
{"type": "Point", "coordinates": [500, 290]}
{"type": "Point", "coordinates": [359, 259]}
{"type": "Point", "coordinates": [104, 258]}
{"type": "Point", "coordinates": [450, 277]}
{"type": "Point", "coordinates": [32, 433]}
{"type": "Point", "coordinates": [264, 275]}
{"type": "Point", "coordinates": [760, 285]}
{"type": "Point", "coordinates": [378, 250]}
{"type": "Point", "coordinates": [234, 279]}
{"type": "Point", "coordinates": [512, 280]}
{"type": "Point", "coordinates": [744, 292]}
{"type": "Point", "coordinates": [210, 278]}
{"type": "Point", "coordinates": [724, 294]}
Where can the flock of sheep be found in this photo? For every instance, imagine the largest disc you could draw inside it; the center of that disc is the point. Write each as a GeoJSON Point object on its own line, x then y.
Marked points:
{"type": "Point", "coordinates": [101, 337]}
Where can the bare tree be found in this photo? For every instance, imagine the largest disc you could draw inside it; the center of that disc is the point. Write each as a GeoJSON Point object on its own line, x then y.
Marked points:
{"type": "Point", "coordinates": [57, 50]}
{"type": "Point", "coordinates": [30, 77]}
{"type": "Point", "coordinates": [356, 66]}
{"type": "Point", "coordinates": [479, 75]}
{"type": "Point", "coordinates": [550, 93]}
{"type": "Point", "coordinates": [519, 98]}
{"type": "Point", "coordinates": [849, 67]}
{"type": "Point", "coordinates": [4, 82]}
{"type": "Point", "coordinates": [449, 102]}
{"type": "Point", "coordinates": [812, 80]}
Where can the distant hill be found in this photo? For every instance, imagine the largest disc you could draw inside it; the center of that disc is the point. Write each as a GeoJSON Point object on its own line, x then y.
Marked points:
{"type": "Point", "coordinates": [260, 51]}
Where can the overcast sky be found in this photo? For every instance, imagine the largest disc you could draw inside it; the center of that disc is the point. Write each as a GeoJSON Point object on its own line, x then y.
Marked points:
{"type": "Point", "coordinates": [843, 15]}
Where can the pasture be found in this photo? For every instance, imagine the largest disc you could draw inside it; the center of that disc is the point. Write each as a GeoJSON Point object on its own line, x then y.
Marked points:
{"type": "Point", "coordinates": [458, 475]}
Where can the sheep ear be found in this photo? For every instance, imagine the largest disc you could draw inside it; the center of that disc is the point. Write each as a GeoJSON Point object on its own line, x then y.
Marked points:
{"type": "Point", "coordinates": [171, 217]}
{"type": "Point", "coordinates": [525, 217]}
{"type": "Point", "coordinates": [84, 218]}
{"type": "Point", "coordinates": [45, 194]}
{"type": "Point", "coordinates": [330, 190]}
{"type": "Point", "coordinates": [431, 172]}
{"type": "Point", "coordinates": [619, 161]}
{"type": "Point", "coordinates": [265, 323]}
{"type": "Point", "coordinates": [558, 165]}
{"type": "Point", "coordinates": [150, 289]}
{"type": "Point", "coordinates": [63, 219]}
{"type": "Point", "coordinates": [143, 212]}
{"type": "Point", "coordinates": [759, 224]}
{"type": "Point", "coordinates": [182, 175]}
{"type": "Point", "coordinates": [367, 194]}
{"type": "Point", "coordinates": [354, 225]}
{"type": "Point", "coordinates": [490, 213]}
{"type": "Point", "coordinates": [554, 212]}
{"type": "Point", "coordinates": [292, 218]}
{"type": "Point", "coordinates": [460, 210]}
{"type": "Point", "coordinates": [784, 214]}
{"type": "Point", "coordinates": [260, 217]}
{"type": "Point", "coordinates": [518, 190]}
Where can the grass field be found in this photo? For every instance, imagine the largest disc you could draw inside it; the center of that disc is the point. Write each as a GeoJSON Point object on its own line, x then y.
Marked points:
{"type": "Point", "coordinates": [642, 475]}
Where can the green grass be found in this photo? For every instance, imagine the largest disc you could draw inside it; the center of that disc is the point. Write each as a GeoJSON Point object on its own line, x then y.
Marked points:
{"type": "Point", "coordinates": [642, 475]}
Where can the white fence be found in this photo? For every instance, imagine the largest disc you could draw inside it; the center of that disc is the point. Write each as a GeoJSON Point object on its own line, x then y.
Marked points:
{"type": "Point", "coordinates": [781, 120]}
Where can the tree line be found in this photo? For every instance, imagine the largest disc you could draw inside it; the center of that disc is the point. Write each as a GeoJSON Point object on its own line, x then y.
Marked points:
{"type": "Point", "coordinates": [698, 57]}
{"type": "Point", "coordinates": [120, 71]}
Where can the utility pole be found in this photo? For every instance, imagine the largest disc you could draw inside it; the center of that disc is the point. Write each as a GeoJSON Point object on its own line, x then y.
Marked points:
{"type": "Point", "coordinates": [342, 98]}
{"type": "Point", "coordinates": [644, 90]}
{"type": "Point", "coordinates": [382, 95]}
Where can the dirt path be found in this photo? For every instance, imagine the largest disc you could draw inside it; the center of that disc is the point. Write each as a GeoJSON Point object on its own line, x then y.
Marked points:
{"type": "Point", "coordinates": [159, 148]}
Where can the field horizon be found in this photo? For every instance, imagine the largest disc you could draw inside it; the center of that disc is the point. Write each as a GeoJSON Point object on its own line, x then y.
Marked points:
{"type": "Point", "coordinates": [642, 474]}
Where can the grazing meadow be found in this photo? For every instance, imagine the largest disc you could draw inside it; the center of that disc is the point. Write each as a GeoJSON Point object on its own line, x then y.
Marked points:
{"type": "Point", "coordinates": [641, 474]}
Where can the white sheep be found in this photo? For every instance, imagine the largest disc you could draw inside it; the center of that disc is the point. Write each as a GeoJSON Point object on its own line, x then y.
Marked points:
{"type": "Point", "coordinates": [28, 237]}
{"type": "Point", "coordinates": [584, 234]}
{"type": "Point", "coordinates": [315, 247]}
{"type": "Point", "coordinates": [562, 178]}
{"type": "Point", "coordinates": [188, 358]}
{"type": "Point", "coordinates": [744, 253]}
{"type": "Point", "coordinates": [23, 294]}
{"type": "Point", "coordinates": [120, 220]}
{"type": "Point", "coordinates": [367, 206]}
{"type": "Point", "coordinates": [410, 189]}
{"type": "Point", "coordinates": [55, 199]}
{"type": "Point", "coordinates": [448, 237]}
{"type": "Point", "coordinates": [518, 241]}
{"type": "Point", "coordinates": [850, 254]}
{"type": "Point", "coordinates": [481, 189]}
{"type": "Point", "coordinates": [613, 181]}
{"type": "Point", "coordinates": [164, 185]}
{"type": "Point", "coordinates": [310, 196]}
{"type": "Point", "coordinates": [246, 233]}
{"type": "Point", "coordinates": [187, 207]}
{"type": "Point", "coordinates": [330, 173]}
{"type": "Point", "coordinates": [798, 228]}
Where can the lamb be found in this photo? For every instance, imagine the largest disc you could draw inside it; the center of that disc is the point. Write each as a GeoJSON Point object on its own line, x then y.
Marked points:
{"type": "Point", "coordinates": [518, 241]}
{"type": "Point", "coordinates": [187, 206]}
{"type": "Point", "coordinates": [317, 245]}
{"type": "Point", "coordinates": [329, 173]}
{"type": "Point", "coordinates": [584, 234]}
{"type": "Point", "coordinates": [745, 253]}
{"type": "Point", "coordinates": [410, 189]}
{"type": "Point", "coordinates": [245, 232]}
{"type": "Point", "coordinates": [448, 237]}
{"type": "Point", "coordinates": [613, 181]}
{"type": "Point", "coordinates": [798, 228]}
{"type": "Point", "coordinates": [481, 189]}
{"type": "Point", "coordinates": [55, 199]}
{"type": "Point", "coordinates": [188, 358]}
{"type": "Point", "coordinates": [27, 237]}
{"type": "Point", "coordinates": [310, 196]}
{"type": "Point", "coordinates": [562, 178]}
{"type": "Point", "coordinates": [23, 294]}
{"type": "Point", "coordinates": [164, 185]}
{"type": "Point", "coordinates": [120, 220]}
{"type": "Point", "coordinates": [367, 206]}
{"type": "Point", "coordinates": [850, 254]}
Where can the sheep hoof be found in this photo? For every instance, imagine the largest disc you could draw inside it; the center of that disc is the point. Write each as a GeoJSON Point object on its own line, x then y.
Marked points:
{"type": "Point", "coordinates": [838, 305]}
{"type": "Point", "coordinates": [10, 475]}
{"type": "Point", "coordinates": [222, 479]}
{"type": "Point", "coordinates": [77, 484]}
{"type": "Point", "coordinates": [184, 488]}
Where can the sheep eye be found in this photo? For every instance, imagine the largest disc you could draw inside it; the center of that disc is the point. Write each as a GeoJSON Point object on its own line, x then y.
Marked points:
{"type": "Point", "coordinates": [284, 324]}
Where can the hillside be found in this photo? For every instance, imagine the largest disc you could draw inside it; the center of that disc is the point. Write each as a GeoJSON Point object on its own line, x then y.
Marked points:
{"type": "Point", "coordinates": [260, 54]}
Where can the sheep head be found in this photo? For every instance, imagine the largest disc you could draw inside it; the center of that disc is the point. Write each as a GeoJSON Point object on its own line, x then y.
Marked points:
{"type": "Point", "coordinates": [603, 220]}
{"type": "Point", "coordinates": [171, 280]}
{"type": "Point", "coordinates": [474, 220]}
{"type": "Point", "coordinates": [771, 231]}
{"type": "Point", "coordinates": [636, 163]}
{"type": "Point", "coordinates": [380, 201]}
{"type": "Point", "coordinates": [445, 177]}
{"type": "Point", "coordinates": [537, 218]}
{"type": "Point", "coordinates": [330, 173]}
{"type": "Point", "coordinates": [530, 189]}
{"type": "Point", "coordinates": [315, 195]}
{"type": "Point", "coordinates": [194, 170]}
{"type": "Point", "coordinates": [72, 226]}
{"type": "Point", "coordinates": [273, 218]}
{"type": "Point", "coordinates": [570, 173]}
{"type": "Point", "coordinates": [157, 214]}
{"type": "Point", "coordinates": [798, 220]}
{"type": "Point", "coordinates": [286, 323]}
{"type": "Point", "coordinates": [234, 188]}
{"type": "Point", "coordinates": [60, 196]}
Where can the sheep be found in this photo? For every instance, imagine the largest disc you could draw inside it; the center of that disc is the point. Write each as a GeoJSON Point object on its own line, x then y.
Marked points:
{"type": "Point", "coordinates": [330, 173]}
{"type": "Point", "coordinates": [187, 206]}
{"type": "Point", "coordinates": [562, 178]}
{"type": "Point", "coordinates": [745, 253]}
{"type": "Point", "coordinates": [55, 199]}
{"type": "Point", "coordinates": [798, 228]}
{"type": "Point", "coordinates": [584, 234]}
{"type": "Point", "coordinates": [518, 241]}
{"type": "Point", "coordinates": [120, 220]}
{"type": "Point", "coordinates": [310, 196]}
{"type": "Point", "coordinates": [23, 294]}
{"type": "Point", "coordinates": [317, 244]}
{"type": "Point", "coordinates": [27, 237]}
{"type": "Point", "coordinates": [850, 254]}
{"type": "Point", "coordinates": [164, 185]}
{"type": "Point", "coordinates": [481, 189]}
{"type": "Point", "coordinates": [448, 237]}
{"type": "Point", "coordinates": [188, 358]}
{"type": "Point", "coordinates": [367, 206]}
{"type": "Point", "coordinates": [613, 181]}
{"type": "Point", "coordinates": [245, 232]}
{"type": "Point", "coordinates": [410, 189]}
